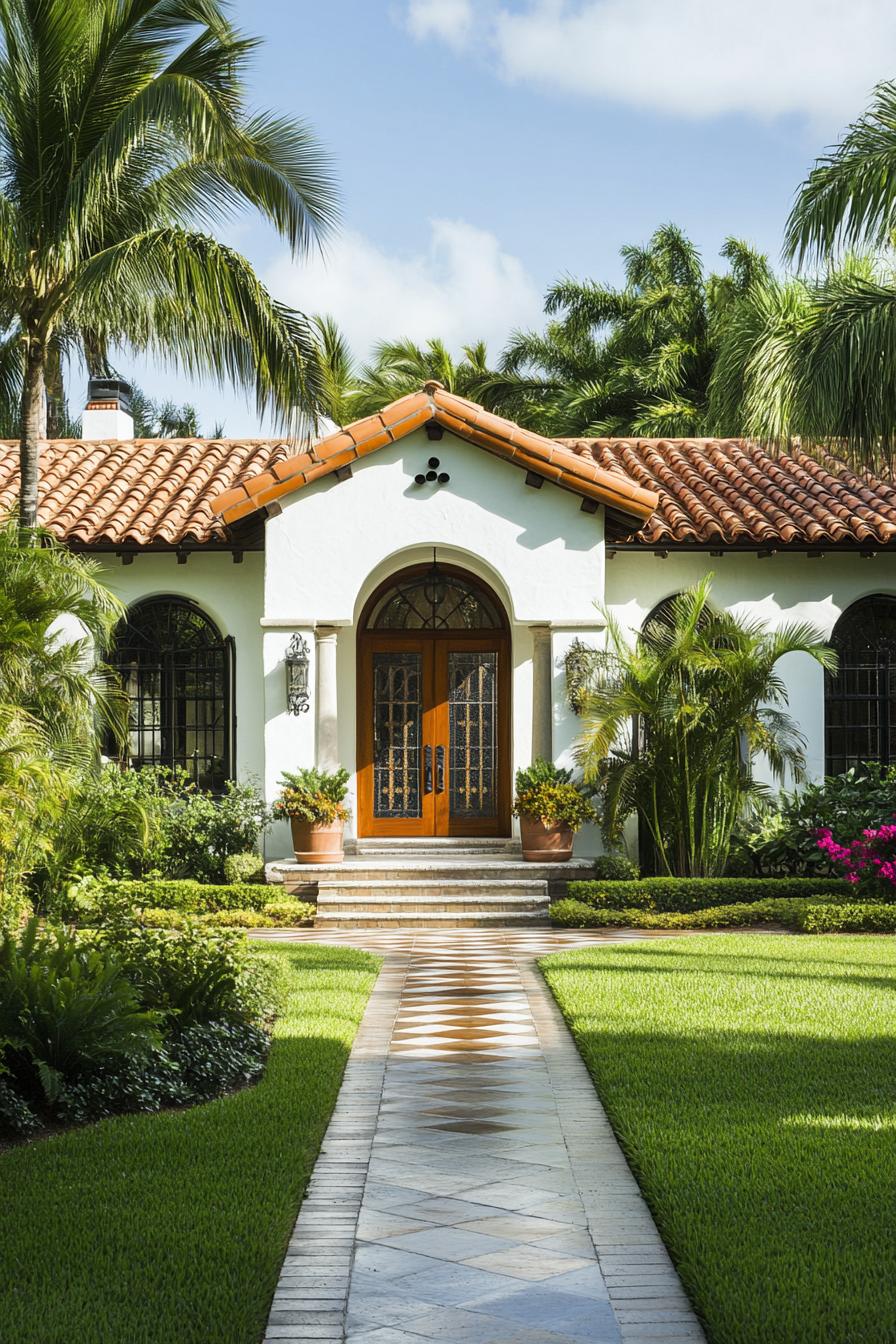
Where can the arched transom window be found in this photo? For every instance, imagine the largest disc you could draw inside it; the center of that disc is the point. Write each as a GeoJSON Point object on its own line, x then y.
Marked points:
{"type": "Point", "coordinates": [178, 673]}
{"type": "Point", "coordinates": [434, 599]}
{"type": "Point", "coordinates": [860, 698]}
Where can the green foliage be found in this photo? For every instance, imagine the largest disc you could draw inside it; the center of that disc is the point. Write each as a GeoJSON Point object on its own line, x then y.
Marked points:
{"type": "Point", "coordinates": [288, 914]}
{"type": "Point", "coordinates": [188, 1210]}
{"type": "Point", "coordinates": [805, 914]}
{"type": "Point", "coordinates": [616, 868]}
{"type": "Point", "coordinates": [95, 902]}
{"type": "Point", "coordinates": [703, 689]}
{"type": "Point", "coordinates": [781, 837]}
{"type": "Point", "coordinates": [545, 791]}
{"type": "Point", "coordinates": [244, 867]}
{"type": "Point", "coordinates": [191, 975]}
{"type": "Point", "coordinates": [65, 1009]}
{"type": "Point", "coordinates": [313, 795]}
{"type": "Point", "coordinates": [681, 894]}
{"type": "Point", "coordinates": [201, 831]}
{"type": "Point", "coordinates": [16, 1116]}
{"type": "Point", "coordinates": [630, 361]}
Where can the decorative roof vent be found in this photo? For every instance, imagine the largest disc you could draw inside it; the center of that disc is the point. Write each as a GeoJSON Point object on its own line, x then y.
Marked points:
{"type": "Point", "coordinates": [107, 414]}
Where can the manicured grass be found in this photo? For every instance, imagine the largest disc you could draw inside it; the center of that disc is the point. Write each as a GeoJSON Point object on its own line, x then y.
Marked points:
{"type": "Point", "coordinates": [752, 1082]}
{"type": "Point", "coordinates": [170, 1229]}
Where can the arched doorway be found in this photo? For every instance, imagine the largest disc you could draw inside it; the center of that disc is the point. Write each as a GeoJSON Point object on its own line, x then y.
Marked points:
{"type": "Point", "coordinates": [433, 707]}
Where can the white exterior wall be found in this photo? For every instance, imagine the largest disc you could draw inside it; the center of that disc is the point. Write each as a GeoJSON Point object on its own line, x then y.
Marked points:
{"type": "Point", "coordinates": [334, 542]}
{"type": "Point", "coordinates": [232, 595]}
{"type": "Point", "coordinates": [777, 590]}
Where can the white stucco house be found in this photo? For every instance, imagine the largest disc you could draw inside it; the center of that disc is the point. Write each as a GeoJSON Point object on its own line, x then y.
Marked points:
{"type": "Point", "coordinates": [434, 563]}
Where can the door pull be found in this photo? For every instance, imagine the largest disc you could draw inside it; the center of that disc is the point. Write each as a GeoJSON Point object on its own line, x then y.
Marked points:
{"type": "Point", "coordinates": [427, 769]}
{"type": "Point", "coordinates": [440, 769]}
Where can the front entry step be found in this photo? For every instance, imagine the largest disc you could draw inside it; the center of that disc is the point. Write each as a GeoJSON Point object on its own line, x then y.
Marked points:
{"type": "Point", "coordinates": [435, 886]}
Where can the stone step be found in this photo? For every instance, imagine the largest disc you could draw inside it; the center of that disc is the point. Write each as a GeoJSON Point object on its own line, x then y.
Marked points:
{"type": "Point", "coordinates": [440, 919]}
{"type": "Point", "coordinates": [467, 869]}
{"type": "Point", "coordinates": [445, 844]}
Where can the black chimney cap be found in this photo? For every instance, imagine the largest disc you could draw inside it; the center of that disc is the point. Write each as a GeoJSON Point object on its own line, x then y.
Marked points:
{"type": "Point", "coordinates": [110, 389]}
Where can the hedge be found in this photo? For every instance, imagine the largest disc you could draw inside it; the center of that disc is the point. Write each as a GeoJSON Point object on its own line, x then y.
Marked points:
{"type": "Point", "coordinates": [681, 894]}
{"type": "Point", "coordinates": [279, 914]}
{"type": "Point", "coordinates": [807, 914]}
{"type": "Point", "coordinates": [181, 894]}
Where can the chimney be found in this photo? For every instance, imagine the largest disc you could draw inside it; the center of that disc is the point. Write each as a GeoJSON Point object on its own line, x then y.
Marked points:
{"type": "Point", "coordinates": [107, 415]}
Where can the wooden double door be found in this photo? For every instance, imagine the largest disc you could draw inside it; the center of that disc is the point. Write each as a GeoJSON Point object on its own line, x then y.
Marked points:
{"type": "Point", "coordinates": [434, 734]}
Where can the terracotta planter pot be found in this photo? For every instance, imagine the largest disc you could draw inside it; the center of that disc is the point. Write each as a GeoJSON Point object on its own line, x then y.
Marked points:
{"type": "Point", "coordinates": [315, 843]}
{"type": "Point", "coordinates": [545, 844]}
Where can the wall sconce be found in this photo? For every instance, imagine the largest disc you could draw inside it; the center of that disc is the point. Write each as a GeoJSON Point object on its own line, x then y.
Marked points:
{"type": "Point", "coordinates": [297, 675]}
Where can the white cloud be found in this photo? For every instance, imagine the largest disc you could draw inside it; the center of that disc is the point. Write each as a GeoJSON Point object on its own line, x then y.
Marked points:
{"type": "Point", "coordinates": [463, 288]}
{"type": "Point", "coordinates": [697, 58]}
{"type": "Point", "coordinates": [449, 20]}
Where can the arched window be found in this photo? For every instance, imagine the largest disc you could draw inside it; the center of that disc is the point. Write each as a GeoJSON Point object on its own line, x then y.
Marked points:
{"type": "Point", "coordinates": [434, 599]}
{"type": "Point", "coordinates": [860, 699]}
{"type": "Point", "coordinates": [178, 673]}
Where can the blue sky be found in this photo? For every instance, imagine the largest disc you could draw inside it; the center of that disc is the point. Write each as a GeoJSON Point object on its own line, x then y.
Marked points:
{"type": "Point", "coordinates": [484, 147]}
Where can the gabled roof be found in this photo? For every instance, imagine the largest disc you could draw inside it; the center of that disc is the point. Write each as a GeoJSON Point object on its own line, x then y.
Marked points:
{"type": "Point", "coordinates": [548, 459]}
{"type": "Point", "coordinates": [726, 492]}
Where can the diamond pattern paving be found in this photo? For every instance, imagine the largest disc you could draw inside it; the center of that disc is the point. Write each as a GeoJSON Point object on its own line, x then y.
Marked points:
{"type": "Point", "coordinates": [487, 1198]}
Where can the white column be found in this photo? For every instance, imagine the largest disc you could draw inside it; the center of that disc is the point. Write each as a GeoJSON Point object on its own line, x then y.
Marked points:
{"type": "Point", "coordinates": [325, 700]}
{"type": "Point", "coordinates": [542, 693]}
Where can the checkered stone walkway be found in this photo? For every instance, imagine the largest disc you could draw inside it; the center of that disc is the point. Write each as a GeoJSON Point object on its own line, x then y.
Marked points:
{"type": "Point", "coordinates": [470, 1187]}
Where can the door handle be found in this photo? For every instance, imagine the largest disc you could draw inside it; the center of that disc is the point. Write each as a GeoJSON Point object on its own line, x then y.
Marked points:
{"type": "Point", "coordinates": [440, 769]}
{"type": "Point", "coordinates": [427, 769]}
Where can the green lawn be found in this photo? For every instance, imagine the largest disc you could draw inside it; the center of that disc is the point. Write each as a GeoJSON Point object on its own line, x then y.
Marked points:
{"type": "Point", "coordinates": [752, 1082]}
{"type": "Point", "coordinates": [170, 1229]}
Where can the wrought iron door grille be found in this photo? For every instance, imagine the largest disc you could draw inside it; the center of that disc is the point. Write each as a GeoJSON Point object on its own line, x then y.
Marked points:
{"type": "Point", "coordinates": [860, 698]}
{"type": "Point", "coordinates": [472, 717]}
{"type": "Point", "coordinates": [397, 726]}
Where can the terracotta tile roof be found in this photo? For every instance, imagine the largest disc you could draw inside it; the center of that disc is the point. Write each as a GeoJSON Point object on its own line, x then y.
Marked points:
{"type": "Point", "coordinates": [137, 492]}
{"type": "Point", "coordinates": [709, 492]}
{"type": "Point", "coordinates": [547, 458]}
{"type": "Point", "coordinates": [726, 492]}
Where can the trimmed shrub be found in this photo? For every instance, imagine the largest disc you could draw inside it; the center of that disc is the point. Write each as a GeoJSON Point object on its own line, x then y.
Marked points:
{"type": "Point", "coordinates": [287, 913]}
{"type": "Point", "coordinates": [616, 868]}
{"type": "Point", "coordinates": [102, 900]}
{"type": "Point", "coordinates": [801, 914]}
{"type": "Point", "coordinates": [239, 868]}
{"type": "Point", "coordinates": [682, 894]}
{"type": "Point", "coordinates": [233, 919]}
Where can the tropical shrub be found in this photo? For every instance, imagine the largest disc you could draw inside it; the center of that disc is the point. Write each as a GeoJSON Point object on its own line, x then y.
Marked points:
{"type": "Point", "coordinates": [809, 914]}
{"type": "Point", "coordinates": [679, 895]}
{"type": "Point", "coordinates": [312, 795]}
{"type": "Point", "coordinates": [16, 1116]}
{"type": "Point", "coordinates": [193, 974]}
{"type": "Point", "coordinates": [782, 837]}
{"type": "Point", "coordinates": [289, 913]}
{"type": "Point", "coordinates": [702, 690]}
{"type": "Point", "coordinates": [216, 1056]}
{"type": "Point", "coordinates": [244, 867]}
{"type": "Point", "coordinates": [66, 1007]}
{"type": "Point", "coordinates": [545, 791]}
{"type": "Point", "coordinates": [201, 831]}
{"type": "Point", "coordinates": [616, 868]}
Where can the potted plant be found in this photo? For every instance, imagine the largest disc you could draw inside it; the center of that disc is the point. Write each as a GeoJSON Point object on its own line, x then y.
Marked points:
{"type": "Point", "coordinates": [551, 808]}
{"type": "Point", "coordinates": [314, 802]}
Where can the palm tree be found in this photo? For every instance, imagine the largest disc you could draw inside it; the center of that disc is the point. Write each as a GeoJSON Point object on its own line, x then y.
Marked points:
{"type": "Point", "coordinates": [629, 361]}
{"type": "Point", "coordinates": [815, 356]}
{"type": "Point", "coordinates": [123, 134]}
{"type": "Point", "coordinates": [674, 718]}
{"type": "Point", "coordinates": [399, 367]}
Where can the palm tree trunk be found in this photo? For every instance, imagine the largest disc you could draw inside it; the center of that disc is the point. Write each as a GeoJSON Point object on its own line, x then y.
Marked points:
{"type": "Point", "coordinates": [33, 429]}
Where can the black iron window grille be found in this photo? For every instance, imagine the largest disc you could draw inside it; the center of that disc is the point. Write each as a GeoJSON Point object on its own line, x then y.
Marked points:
{"type": "Point", "coordinates": [178, 672]}
{"type": "Point", "coordinates": [860, 697]}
